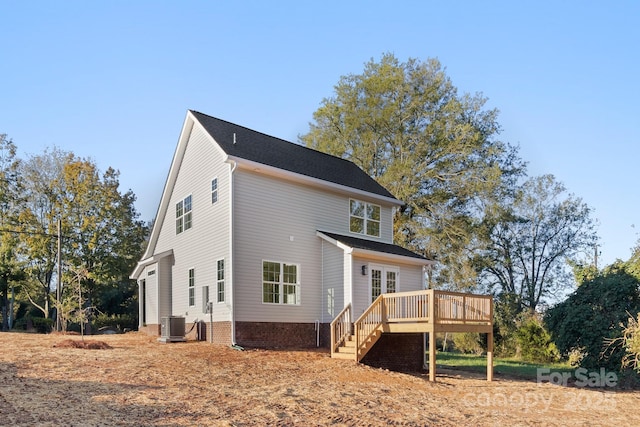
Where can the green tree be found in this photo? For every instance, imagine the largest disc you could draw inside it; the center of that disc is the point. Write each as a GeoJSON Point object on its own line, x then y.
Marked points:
{"type": "Point", "coordinates": [40, 218]}
{"type": "Point", "coordinates": [594, 314]}
{"type": "Point", "coordinates": [530, 235]}
{"type": "Point", "coordinates": [406, 126]}
{"type": "Point", "coordinates": [10, 206]}
{"type": "Point", "coordinates": [104, 234]}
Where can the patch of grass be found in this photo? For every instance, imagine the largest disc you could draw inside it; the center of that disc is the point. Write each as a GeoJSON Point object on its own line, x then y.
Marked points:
{"type": "Point", "coordinates": [510, 366]}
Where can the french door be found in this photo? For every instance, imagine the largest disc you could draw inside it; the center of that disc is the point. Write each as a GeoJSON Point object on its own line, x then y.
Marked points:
{"type": "Point", "coordinates": [383, 279]}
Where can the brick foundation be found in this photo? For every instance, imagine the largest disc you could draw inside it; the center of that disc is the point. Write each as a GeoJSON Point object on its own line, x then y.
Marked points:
{"type": "Point", "coordinates": [152, 329]}
{"type": "Point", "coordinates": [202, 331]}
{"type": "Point", "coordinates": [281, 335]}
{"type": "Point", "coordinates": [397, 352]}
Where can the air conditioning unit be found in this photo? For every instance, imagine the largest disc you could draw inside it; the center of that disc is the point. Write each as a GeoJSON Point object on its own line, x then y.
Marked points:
{"type": "Point", "coordinates": [172, 329]}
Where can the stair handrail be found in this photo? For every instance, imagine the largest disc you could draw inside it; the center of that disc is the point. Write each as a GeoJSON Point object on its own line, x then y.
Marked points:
{"type": "Point", "coordinates": [340, 328]}
{"type": "Point", "coordinates": [367, 324]}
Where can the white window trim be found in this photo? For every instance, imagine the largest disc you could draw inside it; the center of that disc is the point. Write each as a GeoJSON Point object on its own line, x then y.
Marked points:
{"type": "Point", "coordinates": [281, 284]}
{"type": "Point", "coordinates": [224, 281]}
{"type": "Point", "coordinates": [184, 213]}
{"type": "Point", "coordinates": [189, 287]}
{"type": "Point", "coordinates": [217, 190]}
{"type": "Point", "coordinates": [383, 268]}
{"type": "Point", "coordinates": [365, 218]}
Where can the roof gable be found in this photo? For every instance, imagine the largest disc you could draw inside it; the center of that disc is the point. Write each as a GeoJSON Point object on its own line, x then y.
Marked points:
{"type": "Point", "coordinates": [238, 141]}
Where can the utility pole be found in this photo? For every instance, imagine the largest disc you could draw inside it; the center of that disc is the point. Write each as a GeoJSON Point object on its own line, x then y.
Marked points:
{"type": "Point", "coordinates": [59, 281]}
{"type": "Point", "coordinates": [595, 256]}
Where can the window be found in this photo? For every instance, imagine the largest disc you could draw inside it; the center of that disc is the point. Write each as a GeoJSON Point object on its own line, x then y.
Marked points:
{"type": "Point", "coordinates": [214, 190]}
{"type": "Point", "coordinates": [192, 287]}
{"type": "Point", "coordinates": [183, 215]}
{"type": "Point", "coordinates": [364, 218]}
{"type": "Point", "coordinates": [205, 299]}
{"type": "Point", "coordinates": [280, 283]}
{"type": "Point", "coordinates": [220, 280]}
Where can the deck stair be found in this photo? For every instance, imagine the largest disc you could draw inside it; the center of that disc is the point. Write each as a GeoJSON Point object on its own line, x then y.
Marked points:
{"type": "Point", "coordinates": [427, 311]}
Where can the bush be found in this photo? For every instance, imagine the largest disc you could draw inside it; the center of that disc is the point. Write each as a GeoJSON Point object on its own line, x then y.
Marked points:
{"type": "Point", "coordinates": [534, 342]}
{"type": "Point", "coordinates": [39, 324]}
{"type": "Point", "coordinates": [119, 322]}
{"type": "Point", "coordinates": [468, 342]}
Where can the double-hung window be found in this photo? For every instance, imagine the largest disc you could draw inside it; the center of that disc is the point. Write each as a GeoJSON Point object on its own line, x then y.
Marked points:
{"type": "Point", "coordinates": [192, 287]}
{"type": "Point", "coordinates": [220, 280]}
{"type": "Point", "coordinates": [183, 215]}
{"type": "Point", "coordinates": [280, 283]}
{"type": "Point", "coordinates": [364, 218]}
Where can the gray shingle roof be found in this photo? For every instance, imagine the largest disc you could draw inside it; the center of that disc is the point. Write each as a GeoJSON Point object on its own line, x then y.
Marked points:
{"type": "Point", "coordinates": [271, 151]}
{"type": "Point", "coordinates": [371, 245]}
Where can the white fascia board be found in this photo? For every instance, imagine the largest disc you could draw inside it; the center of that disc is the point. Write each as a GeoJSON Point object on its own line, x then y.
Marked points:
{"type": "Point", "coordinates": [375, 255]}
{"type": "Point", "coordinates": [178, 155]}
{"type": "Point", "coordinates": [383, 256]}
{"type": "Point", "coordinates": [347, 249]}
{"type": "Point", "coordinates": [147, 261]}
{"type": "Point", "coordinates": [315, 182]}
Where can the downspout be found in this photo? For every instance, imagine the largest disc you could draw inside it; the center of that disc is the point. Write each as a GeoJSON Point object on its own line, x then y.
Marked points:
{"type": "Point", "coordinates": [322, 280]}
{"type": "Point", "coordinates": [233, 165]}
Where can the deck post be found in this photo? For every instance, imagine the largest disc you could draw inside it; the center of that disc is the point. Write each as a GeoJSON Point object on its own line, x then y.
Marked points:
{"type": "Point", "coordinates": [432, 356]}
{"type": "Point", "coordinates": [490, 356]}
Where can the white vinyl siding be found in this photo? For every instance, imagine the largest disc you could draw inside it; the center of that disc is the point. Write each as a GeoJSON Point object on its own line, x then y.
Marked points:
{"type": "Point", "coordinates": [285, 229]}
{"type": "Point", "coordinates": [202, 160]}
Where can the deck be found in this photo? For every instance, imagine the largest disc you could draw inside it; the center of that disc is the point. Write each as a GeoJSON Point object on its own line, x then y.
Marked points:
{"type": "Point", "coordinates": [428, 311]}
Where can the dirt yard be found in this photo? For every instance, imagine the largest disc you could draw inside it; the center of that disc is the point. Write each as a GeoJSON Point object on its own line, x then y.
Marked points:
{"type": "Point", "coordinates": [139, 381]}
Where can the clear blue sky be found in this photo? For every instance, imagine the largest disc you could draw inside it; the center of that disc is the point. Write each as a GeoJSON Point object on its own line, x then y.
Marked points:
{"type": "Point", "coordinates": [112, 80]}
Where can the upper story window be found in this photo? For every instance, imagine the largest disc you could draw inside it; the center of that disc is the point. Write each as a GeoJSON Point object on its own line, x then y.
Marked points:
{"type": "Point", "coordinates": [280, 283]}
{"type": "Point", "coordinates": [214, 190]}
{"type": "Point", "coordinates": [183, 215]}
{"type": "Point", "coordinates": [364, 218]}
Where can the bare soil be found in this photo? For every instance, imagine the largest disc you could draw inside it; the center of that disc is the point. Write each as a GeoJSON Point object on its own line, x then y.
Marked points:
{"type": "Point", "coordinates": [139, 381]}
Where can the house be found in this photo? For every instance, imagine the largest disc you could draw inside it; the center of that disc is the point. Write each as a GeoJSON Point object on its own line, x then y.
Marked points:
{"type": "Point", "coordinates": [266, 241]}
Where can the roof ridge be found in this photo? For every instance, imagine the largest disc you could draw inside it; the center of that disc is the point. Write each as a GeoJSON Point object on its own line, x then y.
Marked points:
{"type": "Point", "coordinates": [276, 138]}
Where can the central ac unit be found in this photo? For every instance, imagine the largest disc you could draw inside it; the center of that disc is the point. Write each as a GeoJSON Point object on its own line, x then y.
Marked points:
{"type": "Point", "coordinates": [172, 329]}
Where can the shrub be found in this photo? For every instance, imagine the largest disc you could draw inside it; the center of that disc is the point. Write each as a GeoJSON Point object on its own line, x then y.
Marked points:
{"type": "Point", "coordinates": [39, 324]}
{"type": "Point", "coordinates": [534, 342]}
{"type": "Point", "coordinates": [468, 342]}
{"type": "Point", "coordinates": [116, 321]}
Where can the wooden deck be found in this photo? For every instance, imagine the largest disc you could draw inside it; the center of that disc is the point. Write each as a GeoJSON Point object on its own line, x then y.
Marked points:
{"type": "Point", "coordinates": [429, 311]}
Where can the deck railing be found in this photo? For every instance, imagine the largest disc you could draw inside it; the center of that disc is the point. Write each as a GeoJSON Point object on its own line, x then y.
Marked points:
{"type": "Point", "coordinates": [341, 328]}
{"type": "Point", "coordinates": [368, 324]}
{"type": "Point", "coordinates": [426, 307]}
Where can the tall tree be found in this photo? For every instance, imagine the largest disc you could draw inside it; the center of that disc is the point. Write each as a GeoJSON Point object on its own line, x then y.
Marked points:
{"type": "Point", "coordinates": [531, 233]}
{"type": "Point", "coordinates": [41, 174]}
{"type": "Point", "coordinates": [105, 236]}
{"type": "Point", "coordinates": [406, 126]}
{"type": "Point", "coordinates": [10, 206]}
{"type": "Point", "coordinates": [102, 234]}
